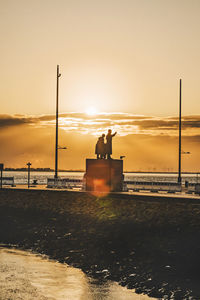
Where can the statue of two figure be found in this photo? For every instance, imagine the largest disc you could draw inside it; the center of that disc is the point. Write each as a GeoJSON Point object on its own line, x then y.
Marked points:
{"type": "Point", "coordinates": [103, 150]}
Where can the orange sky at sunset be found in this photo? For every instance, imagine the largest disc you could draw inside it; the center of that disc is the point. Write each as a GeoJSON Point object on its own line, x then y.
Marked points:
{"type": "Point", "coordinates": [120, 61]}
{"type": "Point", "coordinates": [149, 143]}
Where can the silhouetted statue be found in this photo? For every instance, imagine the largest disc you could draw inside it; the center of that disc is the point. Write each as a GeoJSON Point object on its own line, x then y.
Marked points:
{"type": "Point", "coordinates": [97, 148]}
{"type": "Point", "coordinates": [100, 149]}
{"type": "Point", "coordinates": [109, 137]}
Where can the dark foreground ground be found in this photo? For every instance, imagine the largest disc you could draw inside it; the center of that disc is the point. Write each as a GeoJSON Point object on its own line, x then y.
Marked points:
{"type": "Point", "coordinates": [152, 245]}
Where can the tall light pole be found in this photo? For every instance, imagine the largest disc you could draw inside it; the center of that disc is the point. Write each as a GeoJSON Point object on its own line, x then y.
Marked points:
{"type": "Point", "coordinates": [29, 169]}
{"type": "Point", "coordinates": [56, 144]}
{"type": "Point", "coordinates": [179, 152]}
{"type": "Point", "coordinates": [1, 178]}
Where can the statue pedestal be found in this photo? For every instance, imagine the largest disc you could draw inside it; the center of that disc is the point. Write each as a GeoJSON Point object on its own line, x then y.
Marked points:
{"type": "Point", "coordinates": [104, 175]}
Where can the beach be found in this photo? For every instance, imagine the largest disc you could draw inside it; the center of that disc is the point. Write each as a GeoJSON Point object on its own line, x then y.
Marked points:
{"type": "Point", "coordinates": [148, 245]}
{"type": "Point", "coordinates": [27, 276]}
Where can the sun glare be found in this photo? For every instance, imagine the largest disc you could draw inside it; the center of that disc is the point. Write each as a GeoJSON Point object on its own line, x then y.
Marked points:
{"type": "Point", "coordinates": [91, 111]}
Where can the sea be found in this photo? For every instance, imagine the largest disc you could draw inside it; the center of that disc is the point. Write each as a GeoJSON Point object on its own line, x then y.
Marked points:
{"type": "Point", "coordinates": [21, 177]}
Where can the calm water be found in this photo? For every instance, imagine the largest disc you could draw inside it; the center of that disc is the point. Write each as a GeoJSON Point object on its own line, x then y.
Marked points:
{"type": "Point", "coordinates": [41, 177]}
{"type": "Point", "coordinates": [27, 276]}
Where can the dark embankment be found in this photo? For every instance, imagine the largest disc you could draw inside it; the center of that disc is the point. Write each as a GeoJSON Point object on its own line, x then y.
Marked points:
{"type": "Point", "coordinates": [149, 244]}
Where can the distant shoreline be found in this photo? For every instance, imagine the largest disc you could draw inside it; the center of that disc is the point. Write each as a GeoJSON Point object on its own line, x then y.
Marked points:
{"type": "Point", "coordinates": [38, 170]}
{"type": "Point", "coordinates": [76, 171]}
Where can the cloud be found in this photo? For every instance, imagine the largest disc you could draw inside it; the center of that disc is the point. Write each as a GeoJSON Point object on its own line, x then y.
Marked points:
{"type": "Point", "coordinates": [123, 123]}
{"type": "Point", "coordinates": [16, 120]}
{"type": "Point", "coordinates": [149, 143]}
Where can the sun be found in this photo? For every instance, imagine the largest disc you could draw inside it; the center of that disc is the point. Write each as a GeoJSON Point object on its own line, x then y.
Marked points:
{"type": "Point", "coordinates": [91, 111]}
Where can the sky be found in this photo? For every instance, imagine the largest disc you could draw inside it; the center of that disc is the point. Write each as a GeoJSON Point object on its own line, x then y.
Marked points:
{"type": "Point", "coordinates": [120, 61]}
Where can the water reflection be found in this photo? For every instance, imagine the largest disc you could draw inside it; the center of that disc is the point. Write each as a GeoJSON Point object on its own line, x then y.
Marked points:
{"type": "Point", "coordinates": [24, 275]}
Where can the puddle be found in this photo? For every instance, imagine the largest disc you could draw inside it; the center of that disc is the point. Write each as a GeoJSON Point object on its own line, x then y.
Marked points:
{"type": "Point", "coordinates": [26, 276]}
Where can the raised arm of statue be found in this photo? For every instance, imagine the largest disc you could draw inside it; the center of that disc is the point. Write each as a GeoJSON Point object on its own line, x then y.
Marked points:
{"type": "Point", "coordinates": [114, 133]}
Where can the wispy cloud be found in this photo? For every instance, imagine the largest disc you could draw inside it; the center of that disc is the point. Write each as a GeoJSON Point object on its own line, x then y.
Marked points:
{"type": "Point", "coordinates": [8, 120]}
{"type": "Point", "coordinates": [123, 123]}
{"type": "Point", "coordinates": [147, 142]}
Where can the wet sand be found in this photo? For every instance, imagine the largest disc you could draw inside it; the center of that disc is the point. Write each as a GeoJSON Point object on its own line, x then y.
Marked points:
{"type": "Point", "coordinates": [27, 276]}
{"type": "Point", "coordinates": [148, 245]}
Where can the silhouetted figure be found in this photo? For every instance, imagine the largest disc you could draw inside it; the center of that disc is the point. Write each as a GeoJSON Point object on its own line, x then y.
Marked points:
{"type": "Point", "coordinates": [102, 146]}
{"type": "Point", "coordinates": [97, 148]}
{"type": "Point", "coordinates": [109, 137]}
{"type": "Point", "coordinates": [100, 149]}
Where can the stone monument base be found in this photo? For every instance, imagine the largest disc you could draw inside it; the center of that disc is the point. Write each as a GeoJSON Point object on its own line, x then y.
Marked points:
{"type": "Point", "coordinates": [104, 175]}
